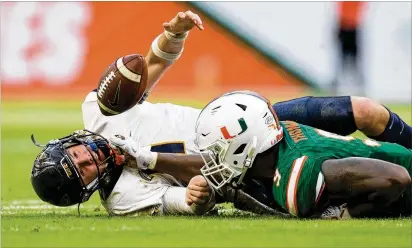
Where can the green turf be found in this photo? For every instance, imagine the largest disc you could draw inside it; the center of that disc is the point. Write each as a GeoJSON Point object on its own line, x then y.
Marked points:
{"type": "Point", "coordinates": [24, 226]}
{"type": "Point", "coordinates": [70, 231]}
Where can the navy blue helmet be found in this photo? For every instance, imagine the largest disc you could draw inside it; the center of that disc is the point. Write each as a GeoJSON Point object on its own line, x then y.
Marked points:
{"type": "Point", "coordinates": [54, 177]}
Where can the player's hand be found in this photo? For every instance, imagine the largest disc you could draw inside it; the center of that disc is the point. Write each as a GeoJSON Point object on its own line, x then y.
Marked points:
{"type": "Point", "coordinates": [119, 155]}
{"type": "Point", "coordinates": [183, 22]}
{"type": "Point", "coordinates": [198, 191]}
{"type": "Point", "coordinates": [144, 158]}
{"type": "Point", "coordinates": [336, 213]}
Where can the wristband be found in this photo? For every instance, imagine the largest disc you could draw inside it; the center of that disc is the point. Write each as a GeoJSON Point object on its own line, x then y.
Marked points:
{"type": "Point", "coordinates": [147, 159]}
{"type": "Point", "coordinates": [164, 55]}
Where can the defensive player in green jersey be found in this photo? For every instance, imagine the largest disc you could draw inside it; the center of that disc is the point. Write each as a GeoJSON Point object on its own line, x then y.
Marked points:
{"type": "Point", "coordinates": [299, 182]}
{"type": "Point", "coordinates": [306, 170]}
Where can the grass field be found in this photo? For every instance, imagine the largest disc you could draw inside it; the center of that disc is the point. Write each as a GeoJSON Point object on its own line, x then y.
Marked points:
{"type": "Point", "coordinates": [26, 222]}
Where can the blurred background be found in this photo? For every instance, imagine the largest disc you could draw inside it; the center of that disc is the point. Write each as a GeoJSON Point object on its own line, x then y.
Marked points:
{"type": "Point", "coordinates": [59, 49]}
{"type": "Point", "coordinates": [53, 53]}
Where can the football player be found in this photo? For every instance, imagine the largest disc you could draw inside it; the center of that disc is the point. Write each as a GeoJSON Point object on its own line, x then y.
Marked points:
{"type": "Point", "coordinates": [302, 168]}
{"type": "Point", "coordinates": [70, 169]}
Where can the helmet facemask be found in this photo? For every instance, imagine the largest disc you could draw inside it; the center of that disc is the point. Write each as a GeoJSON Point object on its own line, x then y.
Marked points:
{"type": "Point", "coordinates": [217, 170]}
{"type": "Point", "coordinates": [230, 132]}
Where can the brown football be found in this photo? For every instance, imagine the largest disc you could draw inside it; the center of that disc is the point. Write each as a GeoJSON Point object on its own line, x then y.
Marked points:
{"type": "Point", "coordinates": [122, 84]}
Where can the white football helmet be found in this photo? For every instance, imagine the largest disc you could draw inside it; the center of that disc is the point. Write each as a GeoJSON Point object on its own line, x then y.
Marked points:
{"type": "Point", "coordinates": [230, 131]}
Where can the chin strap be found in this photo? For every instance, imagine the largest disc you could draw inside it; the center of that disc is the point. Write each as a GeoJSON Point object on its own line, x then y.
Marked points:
{"type": "Point", "coordinates": [248, 161]}
{"type": "Point", "coordinates": [35, 142]}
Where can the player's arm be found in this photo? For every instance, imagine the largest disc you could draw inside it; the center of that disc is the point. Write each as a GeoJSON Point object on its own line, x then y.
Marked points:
{"type": "Point", "coordinates": [367, 184]}
{"type": "Point", "coordinates": [198, 198]}
{"type": "Point", "coordinates": [181, 166]}
{"type": "Point", "coordinates": [168, 46]}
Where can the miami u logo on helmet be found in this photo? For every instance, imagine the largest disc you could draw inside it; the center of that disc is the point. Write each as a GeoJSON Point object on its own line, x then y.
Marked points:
{"type": "Point", "coordinates": [242, 124]}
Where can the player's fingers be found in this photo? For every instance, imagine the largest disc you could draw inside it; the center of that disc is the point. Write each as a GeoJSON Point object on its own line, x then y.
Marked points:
{"type": "Point", "coordinates": [189, 200]}
{"type": "Point", "coordinates": [200, 181]}
{"type": "Point", "coordinates": [199, 194]}
{"type": "Point", "coordinates": [196, 19]}
{"type": "Point", "coordinates": [181, 15]}
{"type": "Point", "coordinates": [200, 27]}
{"type": "Point", "coordinates": [189, 14]}
{"type": "Point", "coordinates": [198, 188]}
{"type": "Point", "coordinates": [198, 200]}
{"type": "Point", "coordinates": [198, 22]}
{"type": "Point", "coordinates": [167, 25]}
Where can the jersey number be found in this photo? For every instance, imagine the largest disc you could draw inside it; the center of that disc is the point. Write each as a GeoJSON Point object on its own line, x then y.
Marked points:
{"type": "Point", "coordinates": [276, 179]}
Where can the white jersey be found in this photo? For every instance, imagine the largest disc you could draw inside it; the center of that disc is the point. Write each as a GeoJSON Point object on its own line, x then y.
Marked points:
{"type": "Point", "coordinates": [163, 127]}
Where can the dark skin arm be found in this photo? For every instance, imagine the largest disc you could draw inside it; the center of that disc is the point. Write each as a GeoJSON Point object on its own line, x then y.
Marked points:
{"type": "Point", "coordinates": [181, 166]}
{"type": "Point", "coordinates": [368, 185]}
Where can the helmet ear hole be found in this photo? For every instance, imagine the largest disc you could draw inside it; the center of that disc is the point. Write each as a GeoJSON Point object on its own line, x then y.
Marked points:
{"type": "Point", "coordinates": [235, 162]}
{"type": "Point", "coordinates": [240, 149]}
{"type": "Point", "coordinates": [242, 106]}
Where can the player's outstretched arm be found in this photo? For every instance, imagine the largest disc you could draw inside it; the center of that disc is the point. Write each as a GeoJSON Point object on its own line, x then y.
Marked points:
{"type": "Point", "coordinates": [168, 46]}
{"type": "Point", "coordinates": [181, 166]}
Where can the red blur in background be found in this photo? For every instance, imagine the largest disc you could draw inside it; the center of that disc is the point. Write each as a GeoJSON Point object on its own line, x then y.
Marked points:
{"type": "Point", "coordinates": [59, 49]}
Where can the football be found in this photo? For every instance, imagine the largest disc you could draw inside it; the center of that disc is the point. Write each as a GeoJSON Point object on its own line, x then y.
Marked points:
{"type": "Point", "coordinates": [122, 84]}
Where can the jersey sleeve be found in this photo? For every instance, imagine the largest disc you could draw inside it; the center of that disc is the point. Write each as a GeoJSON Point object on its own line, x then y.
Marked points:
{"type": "Point", "coordinates": [298, 185]}
{"type": "Point", "coordinates": [138, 193]}
{"type": "Point", "coordinates": [174, 201]}
{"type": "Point", "coordinates": [95, 121]}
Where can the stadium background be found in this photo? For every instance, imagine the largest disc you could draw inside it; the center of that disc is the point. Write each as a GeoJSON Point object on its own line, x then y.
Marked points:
{"type": "Point", "coordinates": [52, 55]}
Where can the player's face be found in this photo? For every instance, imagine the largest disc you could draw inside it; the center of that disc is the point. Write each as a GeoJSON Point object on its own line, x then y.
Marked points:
{"type": "Point", "coordinates": [86, 161]}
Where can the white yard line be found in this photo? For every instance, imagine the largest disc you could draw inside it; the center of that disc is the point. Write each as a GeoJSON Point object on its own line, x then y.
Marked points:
{"type": "Point", "coordinates": [29, 205]}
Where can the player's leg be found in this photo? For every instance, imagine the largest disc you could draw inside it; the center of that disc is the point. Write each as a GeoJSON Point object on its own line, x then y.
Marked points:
{"type": "Point", "coordinates": [344, 115]}
{"type": "Point", "coordinates": [379, 123]}
{"type": "Point", "coordinates": [333, 114]}
{"type": "Point", "coordinates": [368, 185]}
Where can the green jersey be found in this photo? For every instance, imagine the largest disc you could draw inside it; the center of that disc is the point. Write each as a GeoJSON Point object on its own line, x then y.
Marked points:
{"type": "Point", "coordinates": [298, 182]}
